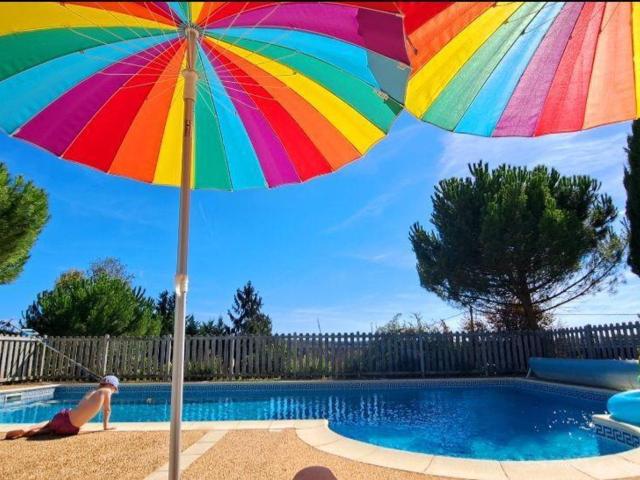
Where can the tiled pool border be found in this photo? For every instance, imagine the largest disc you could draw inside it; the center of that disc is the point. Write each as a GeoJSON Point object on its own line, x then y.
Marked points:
{"type": "Point", "coordinates": [261, 386]}
{"type": "Point", "coordinates": [624, 433]}
{"type": "Point", "coordinates": [317, 434]}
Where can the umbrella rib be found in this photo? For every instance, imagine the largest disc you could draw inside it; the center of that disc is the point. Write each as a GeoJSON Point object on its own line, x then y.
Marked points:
{"type": "Point", "coordinates": [159, 81]}
{"type": "Point", "coordinates": [99, 43]}
{"type": "Point", "coordinates": [235, 17]}
{"type": "Point", "coordinates": [114, 45]}
{"type": "Point", "coordinates": [148, 98]}
{"type": "Point", "coordinates": [471, 55]}
{"type": "Point", "coordinates": [294, 52]}
{"type": "Point", "coordinates": [524, 30]}
{"type": "Point", "coordinates": [95, 114]}
{"type": "Point", "coordinates": [336, 96]}
{"type": "Point", "coordinates": [615, 8]}
{"type": "Point", "coordinates": [265, 44]}
{"type": "Point", "coordinates": [212, 109]}
{"type": "Point", "coordinates": [110, 13]}
{"type": "Point", "coordinates": [255, 52]}
{"type": "Point", "coordinates": [229, 81]}
{"type": "Point", "coordinates": [258, 64]}
{"type": "Point", "coordinates": [155, 75]}
{"type": "Point", "coordinates": [121, 62]}
{"type": "Point", "coordinates": [226, 87]}
{"type": "Point", "coordinates": [104, 29]}
{"type": "Point", "coordinates": [261, 75]}
{"type": "Point", "coordinates": [140, 53]}
{"type": "Point", "coordinates": [174, 15]}
{"type": "Point", "coordinates": [86, 19]}
{"type": "Point", "coordinates": [160, 92]}
{"type": "Point", "coordinates": [566, 45]}
{"type": "Point", "coordinates": [136, 17]}
{"type": "Point", "coordinates": [254, 26]}
{"type": "Point", "coordinates": [595, 51]}
{"type": "Point", "coordinates": [251, 96]}
{"type": "Point", "coordinates": [43, 86]}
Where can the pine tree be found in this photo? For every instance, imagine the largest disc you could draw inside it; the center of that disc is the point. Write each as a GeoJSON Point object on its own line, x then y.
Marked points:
{"type": "Point", "coordinates": [632, 186]}
{"type": "Point", "coordinates": [517, 243]}
{"type": "Point", "coordinates": [23, 214]}
{"type": "Point", "coordinates": [246, 313]}
{"type": "Point", "coordinates": [165, 308]}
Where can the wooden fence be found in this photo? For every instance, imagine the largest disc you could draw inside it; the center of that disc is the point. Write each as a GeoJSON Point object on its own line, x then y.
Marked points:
{"type": "Point", "coordinates": [358, 355]}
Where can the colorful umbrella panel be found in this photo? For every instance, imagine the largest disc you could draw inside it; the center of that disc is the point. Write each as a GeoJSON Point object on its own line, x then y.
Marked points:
{"type": "Point", "coordinates": [523, 68]}
{"type": "Point", "coordinates": [286, 91]}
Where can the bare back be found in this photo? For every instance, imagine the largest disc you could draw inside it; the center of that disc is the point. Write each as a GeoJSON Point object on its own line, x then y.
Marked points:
{"type": "Point", "coordinates": [90, 405]}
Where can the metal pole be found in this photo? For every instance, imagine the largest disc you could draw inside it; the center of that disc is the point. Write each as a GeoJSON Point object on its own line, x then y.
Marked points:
{"type": "Point", "coordinates": [181, 279]}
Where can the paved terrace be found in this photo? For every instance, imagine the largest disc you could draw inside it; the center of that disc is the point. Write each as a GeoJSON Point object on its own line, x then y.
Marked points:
{"type": "Point", "coordinates": [281, 449]}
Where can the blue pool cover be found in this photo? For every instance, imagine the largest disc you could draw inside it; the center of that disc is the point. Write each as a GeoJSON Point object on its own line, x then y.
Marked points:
{"type": "Point", "coordinates": [613, 374]}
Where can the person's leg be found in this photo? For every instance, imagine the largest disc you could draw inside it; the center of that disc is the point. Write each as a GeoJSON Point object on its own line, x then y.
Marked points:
{"type": "Point", "coordinates": [32, 432]}
{"type": "Point", "coordinates": [35, 431]}
{"type": "Point", "coordinates": [13, 434]}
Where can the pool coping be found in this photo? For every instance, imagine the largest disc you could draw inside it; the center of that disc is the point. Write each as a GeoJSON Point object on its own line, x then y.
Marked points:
{"type": "Point", "coordinates": [23, 388]}
{"type": "Point", "coordinates": [317, 434]}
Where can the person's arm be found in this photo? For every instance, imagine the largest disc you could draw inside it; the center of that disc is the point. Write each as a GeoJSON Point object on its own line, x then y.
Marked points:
{"type": "Point", "coordinates": [106, 412]}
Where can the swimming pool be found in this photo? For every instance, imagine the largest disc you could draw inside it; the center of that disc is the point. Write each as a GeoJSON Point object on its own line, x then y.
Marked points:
{"type": "Point", "coordinates": [504, 419]}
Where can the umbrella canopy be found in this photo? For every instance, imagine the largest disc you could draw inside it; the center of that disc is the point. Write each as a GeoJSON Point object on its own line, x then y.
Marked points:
{"type": "Point", "coordinates": [523, 68]}
{"type": "Point", "coordinates": [202, 95]}
{"type": "Point", "coordinates": [285, 91]}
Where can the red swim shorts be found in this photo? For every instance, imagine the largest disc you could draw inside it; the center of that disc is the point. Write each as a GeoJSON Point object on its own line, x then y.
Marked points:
{"type": "Point", "coordinates": [61, 424]}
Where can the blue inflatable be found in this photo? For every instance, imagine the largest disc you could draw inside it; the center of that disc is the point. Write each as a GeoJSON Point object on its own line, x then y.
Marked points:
{"type": "Point", "coordinates": [612, 374]}
{"type": "Point", "coordinates": [625, 407]}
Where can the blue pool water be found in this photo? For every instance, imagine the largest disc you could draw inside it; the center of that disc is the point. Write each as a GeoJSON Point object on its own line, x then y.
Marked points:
{"type": "Point", "coordinates": [501, 421]}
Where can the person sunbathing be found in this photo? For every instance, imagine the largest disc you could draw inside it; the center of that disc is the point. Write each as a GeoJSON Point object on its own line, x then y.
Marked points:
{"type": "Point", "coordinates": [68, 422]}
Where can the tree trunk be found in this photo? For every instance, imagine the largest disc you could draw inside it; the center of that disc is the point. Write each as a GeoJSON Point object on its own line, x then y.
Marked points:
{"type": "Point", "coordinates": [530, 317]}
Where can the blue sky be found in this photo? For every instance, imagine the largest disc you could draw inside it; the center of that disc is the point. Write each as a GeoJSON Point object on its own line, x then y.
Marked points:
{"type": "Point", "coordinates": [334, 250]}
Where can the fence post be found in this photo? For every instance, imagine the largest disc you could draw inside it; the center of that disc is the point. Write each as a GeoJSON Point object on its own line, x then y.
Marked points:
{"type": "Point", "coordinates": [105, 354]}
{"type": "Point", "coordinates": [421, 346]}
{"type": "Point", "coordinates": [588, 340]}
{"type": "Point", "coordinates": [43, 358]}
{"type": "Point", "coordinates": [232, 355]}
{"type": "Point", "coordinates": [169, 356]}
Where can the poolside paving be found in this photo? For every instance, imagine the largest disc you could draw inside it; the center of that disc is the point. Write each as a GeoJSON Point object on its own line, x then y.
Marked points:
{"type": "Point", "coordinates": [259, 455]}
{"type": "Point", "coordinates": [92, 454]}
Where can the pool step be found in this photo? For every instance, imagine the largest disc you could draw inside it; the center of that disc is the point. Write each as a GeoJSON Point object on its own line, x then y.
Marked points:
{"type": "Point", "coordinates": [620, 432]}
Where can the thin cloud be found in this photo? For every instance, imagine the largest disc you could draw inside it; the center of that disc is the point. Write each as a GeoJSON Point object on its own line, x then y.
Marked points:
{"type": "Point", "coordinates": [395, 258]}
{"type": "Point", "coordinates": [373, 208]}
{"type": "Point", "coordinates": [598, 153]}
{"type": "Point", "coordinates": [378, 205]}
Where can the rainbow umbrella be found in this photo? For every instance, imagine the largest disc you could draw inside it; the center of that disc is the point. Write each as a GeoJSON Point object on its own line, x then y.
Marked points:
{"type": "Point", "coordinates": [258, 94]}
{"type": "Point", "coordinates": [523, 68]}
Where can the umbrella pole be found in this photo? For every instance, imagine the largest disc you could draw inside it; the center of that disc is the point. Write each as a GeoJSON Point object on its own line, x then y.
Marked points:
{"type": "Point", "coordinates": [181, 279]}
